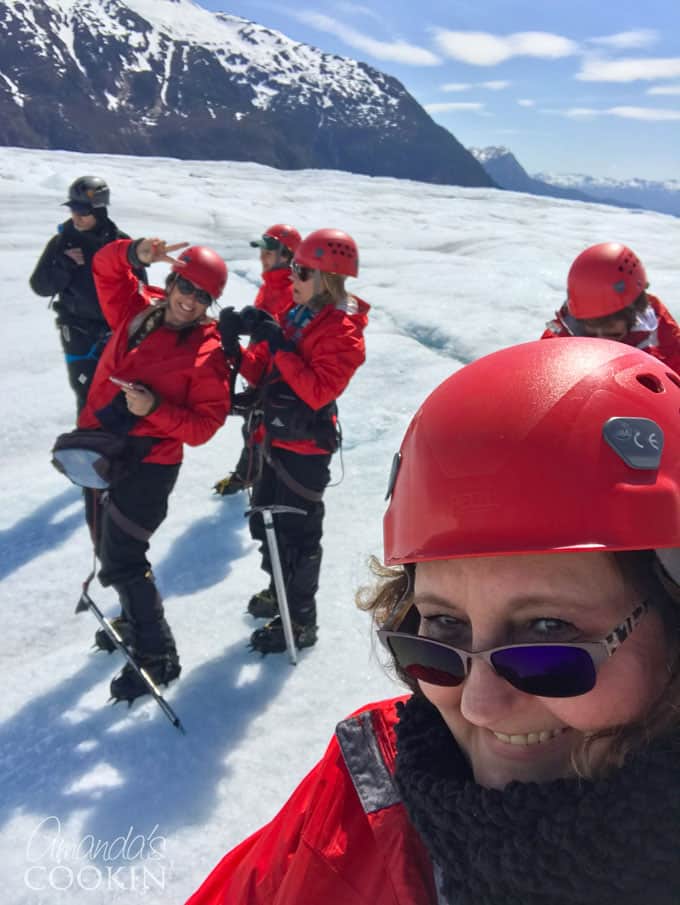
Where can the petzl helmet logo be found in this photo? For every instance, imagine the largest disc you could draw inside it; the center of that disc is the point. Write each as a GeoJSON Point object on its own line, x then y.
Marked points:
{"type": "Point", "coordinates": [638, 441]}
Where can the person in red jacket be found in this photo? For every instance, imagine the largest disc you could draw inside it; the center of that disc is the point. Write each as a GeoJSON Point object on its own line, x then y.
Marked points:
{"type": "Point", "coordinates": [530, 600]}
{"type": "Point", "coordinates": [277, 246]}
{"type": "Point", "coordinates": [300, 367]}
{"type": "Point", "coordinates": [607, 297]}
{"type": "Point", "coordinates": [162, 381]}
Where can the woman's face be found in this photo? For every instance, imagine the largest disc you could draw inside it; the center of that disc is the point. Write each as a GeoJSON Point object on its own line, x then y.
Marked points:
{"type": "Point", "coordinates": [303, 292]}
{"type": "Point", "coordinates": [615, 328]}
{"type": "Point", "coordinates": [268, 259]}
{"type": "Point", "coordinates": [487, 602]}
{"type": "Point", "coordinates": [83, 222]}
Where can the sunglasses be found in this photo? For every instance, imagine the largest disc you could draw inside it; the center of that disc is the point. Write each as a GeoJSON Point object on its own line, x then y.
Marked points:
{"type": "Point", "coordinates": [302, 273]}
{"type": "Point", "coordinates": [81, 210]}
{"type": "Point", "coordinates": [545, 670]}
{"type": "Point", "coordinates": [187, 288]}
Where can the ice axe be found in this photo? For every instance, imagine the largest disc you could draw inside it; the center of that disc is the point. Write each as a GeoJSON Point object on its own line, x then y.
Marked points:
{"type": "Point", "coordinates": [268, 513]}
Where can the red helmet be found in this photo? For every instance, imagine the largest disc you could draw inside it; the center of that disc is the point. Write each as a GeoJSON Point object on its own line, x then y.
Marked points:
{"type": "Point", "coordinates": [604, 279]}
{"type": "Point", "coordinates": [204, 268]}
{"type": "Point", "coordinates": [329, 250]}
{"type": "Point", "coordinates": [540, 448]}
{"type": "Point", "coordinates": [285, 234]}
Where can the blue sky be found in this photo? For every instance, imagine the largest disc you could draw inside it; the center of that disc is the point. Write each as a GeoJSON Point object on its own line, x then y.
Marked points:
{"type": "Point", "coordinates": [569, 87]}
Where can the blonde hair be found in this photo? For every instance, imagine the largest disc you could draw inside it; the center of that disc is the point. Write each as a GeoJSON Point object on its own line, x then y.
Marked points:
{"type": "Point", "coordinates": [391, 597]}
{"type": "Point", "coordinates": [332, 290]}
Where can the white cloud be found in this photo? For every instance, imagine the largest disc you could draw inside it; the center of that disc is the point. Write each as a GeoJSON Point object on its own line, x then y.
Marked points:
{"type": "Point", "coordinates": [646, 114]}
{"type": "Point", "coordinates": [630, 70]}
{"type": "Point", "coordinates": [480, 48]}
{"type": "Point", "coordinates": [652, 114]}
{"type": "Point", "coordinates": [465, 86]}
{"type": "Point", "coordinates": [578, 112]}
{"type": "Point", "coordinates": [395, 51]}
{"type": "Point", "coordinates": [448, 107]}
{"type": "Point", "coordinates": [664, 89]}
{"type": "Point", "coordinates": [526, 102]}
{"type": "Point", "coordinates": [359, 10]}
{"type": "Point", "coordinates": [625, 40]}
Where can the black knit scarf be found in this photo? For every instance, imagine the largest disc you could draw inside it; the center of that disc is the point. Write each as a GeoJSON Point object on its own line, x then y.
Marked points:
{"type": "Point", "coordinates": [613, 841]}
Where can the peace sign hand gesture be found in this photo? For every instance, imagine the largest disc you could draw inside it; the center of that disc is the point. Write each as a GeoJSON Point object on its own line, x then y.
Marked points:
{"type": "Point", "coordinates": [150, 251]}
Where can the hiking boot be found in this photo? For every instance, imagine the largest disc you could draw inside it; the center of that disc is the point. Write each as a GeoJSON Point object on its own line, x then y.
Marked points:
{"type": "Point", "coordinates": [162, 668]}
{"type": "Point", "coordinates": [233, 483]}
{"type": "Point", "coordinates": [264, 604]}
{"type": "Point", "coordinates": [102, 640]}
{"type": "Point", "coordinates": [271, 640]}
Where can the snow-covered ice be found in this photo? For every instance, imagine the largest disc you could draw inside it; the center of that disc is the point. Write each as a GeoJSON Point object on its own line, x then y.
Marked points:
{"type": "Point", "coordinates": [105, 805]}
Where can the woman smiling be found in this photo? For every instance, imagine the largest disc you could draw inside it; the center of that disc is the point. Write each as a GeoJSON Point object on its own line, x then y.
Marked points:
{"type": "Point", "coordinates": [530, 601]}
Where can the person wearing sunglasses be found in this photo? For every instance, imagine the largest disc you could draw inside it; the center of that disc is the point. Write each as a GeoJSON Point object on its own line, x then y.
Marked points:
{"type": "Point", "coordinates": [530, 601]}
{"type": "Point", "coordinates": [300, 367]}
{"type": "Point", "coordinates": [607, 297]}
{"type": "Point", "coordinates": [64, 273]}
{"type": "Point", "coordinates": [162, 381]}
{"type": "Point", "coordinates": [277, 246]}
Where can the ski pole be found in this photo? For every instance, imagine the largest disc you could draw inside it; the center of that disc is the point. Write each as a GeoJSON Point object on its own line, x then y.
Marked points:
{"type": "Point", "coordinates": [87, 603]}
{"type": "Point", "coordinates": [268, 513]}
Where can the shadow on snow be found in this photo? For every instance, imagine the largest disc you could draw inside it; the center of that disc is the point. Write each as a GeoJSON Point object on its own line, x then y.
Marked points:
{"type": "Point", "coordinates": [40, 532]}
{"type": "Point", "coordinates": [157, 780]}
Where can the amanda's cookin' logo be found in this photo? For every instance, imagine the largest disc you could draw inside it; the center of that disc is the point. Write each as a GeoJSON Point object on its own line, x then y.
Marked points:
{"type": "Point", "coordinates": [132, 861]}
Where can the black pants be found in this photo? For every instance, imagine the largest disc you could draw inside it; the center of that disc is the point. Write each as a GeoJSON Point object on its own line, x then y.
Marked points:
{"type": "Point", "coordinates": [298, 536]}
{"type": "Point", "coordinates": [134, 510]}
{"type": "Point", "coordinates": [83, 346]}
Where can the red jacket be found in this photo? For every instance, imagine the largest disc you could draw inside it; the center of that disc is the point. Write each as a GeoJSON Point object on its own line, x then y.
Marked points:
{"type": "Point", "coordinates": [190, 377]}
{"type": "Point", "coordinates": [327, 353]}
{"type": "Point", "coordinates": [343, 838]}
{"type": "Point", "coordinates": [660, 339]}
{"type": "Point", "coordinates": [275, 295]}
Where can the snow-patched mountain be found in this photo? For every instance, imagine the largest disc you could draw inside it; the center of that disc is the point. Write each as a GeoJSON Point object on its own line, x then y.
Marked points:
{"type": "Point", "coordinates": [506, 171]}
{"type": "Point", "coordinates": [654, 196]}
{"type": "Point", "coordinates": [167, 77]}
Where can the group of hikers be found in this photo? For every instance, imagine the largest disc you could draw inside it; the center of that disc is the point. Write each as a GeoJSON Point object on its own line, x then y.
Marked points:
{"type": "Point", "coordinates": [529, 597]}
{"type": "Point", "coordinates": [149, 364]}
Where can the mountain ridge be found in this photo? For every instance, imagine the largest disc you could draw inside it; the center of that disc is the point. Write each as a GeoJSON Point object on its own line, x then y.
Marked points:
{"type": "Point", "coordinates": [502, 165]}
{"type": "Point", "coordinates": [170, 78]}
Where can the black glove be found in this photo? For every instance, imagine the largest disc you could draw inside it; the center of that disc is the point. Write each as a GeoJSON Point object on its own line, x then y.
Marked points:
{"type": "Point", "coordinates": [271, 333]}
{"type": "Point", "coordinates": [116, 416]}
{"type": "Point", "coordinates": [230, 327]}
{"type": "Point", "coordinates": [251, 317]}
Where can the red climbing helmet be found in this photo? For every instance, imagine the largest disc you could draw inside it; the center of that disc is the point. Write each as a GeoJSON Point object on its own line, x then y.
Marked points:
{"type": "Point", "coordinates": [540, 448]}
{"type": "Point", "coordinates": [204, 268]}
{"type": "Point", "coordinates": [604, 279]}
{"type": "Point", "coordinates": [329, 250]}
{"type": "Point", "coordinates": [277, 235]}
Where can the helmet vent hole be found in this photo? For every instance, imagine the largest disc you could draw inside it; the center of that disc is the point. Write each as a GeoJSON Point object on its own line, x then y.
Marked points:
{"type": "Point", "coordinates": [673, 378]}
{"type": "Point", "coordinates": [651, 381]}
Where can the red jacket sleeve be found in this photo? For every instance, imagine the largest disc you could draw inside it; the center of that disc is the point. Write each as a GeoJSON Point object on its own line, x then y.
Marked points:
{"type": "Point", "coordinates": [118, 288]}
{"type": "Point", "coordinates": [254, 362]}
{"type": "Point", "coordinates": [324, 374]}
{"type": "Point", "coordinates": [276, 292]}
{"type": "Point", "coordinates": [290, 860]}
{"type": "Point", "coordinates": [207, 405]}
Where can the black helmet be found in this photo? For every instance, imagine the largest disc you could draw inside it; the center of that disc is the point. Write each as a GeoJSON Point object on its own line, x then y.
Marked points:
{"type": "Point", "coordinates": [88, 190]}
